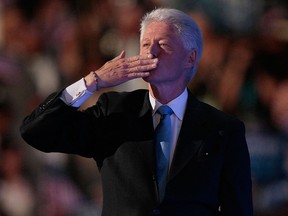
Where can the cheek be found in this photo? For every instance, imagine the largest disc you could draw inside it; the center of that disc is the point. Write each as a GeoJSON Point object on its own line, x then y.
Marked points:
{"type": "Point", "coordinates": [141, 51]}
{"type": "Point", "coordinates": [174, 61]}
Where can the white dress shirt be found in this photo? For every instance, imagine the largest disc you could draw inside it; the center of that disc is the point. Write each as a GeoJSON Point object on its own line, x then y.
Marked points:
{"type": "Point", "coordinates": [76, 94]}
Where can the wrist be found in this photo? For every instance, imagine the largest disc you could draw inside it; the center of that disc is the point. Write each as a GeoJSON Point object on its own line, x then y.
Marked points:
{"type": "Point", "coordinates": [96, 80]}
{"type": "Point", "coordinates": [91, 81]}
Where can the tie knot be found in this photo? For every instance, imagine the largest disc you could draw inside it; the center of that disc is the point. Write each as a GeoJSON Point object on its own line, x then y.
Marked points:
{"type": "Point", "coordinates": [165, 110]}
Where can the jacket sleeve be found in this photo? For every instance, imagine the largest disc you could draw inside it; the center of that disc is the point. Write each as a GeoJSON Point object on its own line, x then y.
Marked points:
{"type": "Point", "coordinates": [56, 127]}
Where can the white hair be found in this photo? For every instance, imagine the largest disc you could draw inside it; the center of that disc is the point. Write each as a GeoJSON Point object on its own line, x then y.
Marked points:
{"type": "Point", "coordinates": [187, 28]}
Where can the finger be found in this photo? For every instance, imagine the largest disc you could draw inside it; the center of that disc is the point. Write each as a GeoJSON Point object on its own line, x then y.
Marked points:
{"type": "Point", "coordinates": [143, 63]}
{"type": "Point", "coordinates": [135, 75]}
{"type": "Point", "coordinates": [139, 57]}
{"type": "Point", "coordinates": [121, 55]}
{"type": "Point", "coordinates": [141, 68]}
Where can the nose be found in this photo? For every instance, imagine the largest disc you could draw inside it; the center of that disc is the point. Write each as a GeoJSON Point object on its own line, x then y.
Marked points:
{"type": "Point", "coordinates": [153, 49]}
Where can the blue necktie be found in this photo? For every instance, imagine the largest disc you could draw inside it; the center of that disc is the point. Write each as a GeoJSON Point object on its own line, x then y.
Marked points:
{"type": "Point", "coordinates": [163, 141]}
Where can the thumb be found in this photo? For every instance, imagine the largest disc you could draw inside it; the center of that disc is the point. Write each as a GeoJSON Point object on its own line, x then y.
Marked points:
{"type": "Point", "coordinates": [122, 55]}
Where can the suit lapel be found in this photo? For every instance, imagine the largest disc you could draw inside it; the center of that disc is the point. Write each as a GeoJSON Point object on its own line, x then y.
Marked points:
{"type": "Point", "coordinates": [146, 147]}
{"type": "Point", "coordinates": [146, 152]}
{"type": "Point", "coordinates": [190, 138]}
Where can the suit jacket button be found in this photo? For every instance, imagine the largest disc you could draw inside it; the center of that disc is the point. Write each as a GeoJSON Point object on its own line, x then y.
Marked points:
{"type": "Point", "coordinates": [156, 211]}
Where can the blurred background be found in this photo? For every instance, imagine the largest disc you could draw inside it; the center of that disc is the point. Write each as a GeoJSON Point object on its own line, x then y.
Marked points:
{"type": "Point", "coordinates": [46, 45]}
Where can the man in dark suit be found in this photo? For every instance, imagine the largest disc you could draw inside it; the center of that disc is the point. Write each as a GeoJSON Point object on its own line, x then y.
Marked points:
{"type": "Point", "coordinates": [209, 166]}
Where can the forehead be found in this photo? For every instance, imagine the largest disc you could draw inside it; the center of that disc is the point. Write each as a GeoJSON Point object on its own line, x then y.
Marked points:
{"type": "Point", "coordinates": [163, 29]}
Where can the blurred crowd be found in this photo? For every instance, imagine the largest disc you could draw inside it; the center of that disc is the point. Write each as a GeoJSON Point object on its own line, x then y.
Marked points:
{"type": "Point", "coordinates": [46, 45]}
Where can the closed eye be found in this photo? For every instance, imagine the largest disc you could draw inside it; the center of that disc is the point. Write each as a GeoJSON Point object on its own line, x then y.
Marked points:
{"type": "Point", "coordinates": [163, 45]}
{"type": "Point", "coordinates": [145, 45]}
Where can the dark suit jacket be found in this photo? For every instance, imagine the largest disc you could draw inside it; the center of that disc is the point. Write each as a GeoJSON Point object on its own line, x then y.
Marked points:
{"type": "Point", "coordinates": [211, 165]}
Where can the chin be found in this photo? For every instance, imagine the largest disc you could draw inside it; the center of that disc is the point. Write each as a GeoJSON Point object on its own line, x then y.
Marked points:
{"type": "Point", "coordinates": [149, 79]}
{"type": "Point", "coordinates": [146, 79]}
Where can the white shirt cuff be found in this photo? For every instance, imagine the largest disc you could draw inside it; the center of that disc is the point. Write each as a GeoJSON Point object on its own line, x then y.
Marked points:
{"type": "Point", "coordinates": [76, 94]}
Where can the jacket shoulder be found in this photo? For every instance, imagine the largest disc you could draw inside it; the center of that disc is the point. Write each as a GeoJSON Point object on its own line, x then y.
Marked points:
{"type": "Point", "coordinates": [214, 115]}
{"type": "Point", "coordinates": [123, 101]}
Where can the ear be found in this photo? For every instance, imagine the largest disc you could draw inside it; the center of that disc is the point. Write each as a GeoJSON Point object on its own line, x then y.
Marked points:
{"type": "Point", "coordinates": [191, 58]}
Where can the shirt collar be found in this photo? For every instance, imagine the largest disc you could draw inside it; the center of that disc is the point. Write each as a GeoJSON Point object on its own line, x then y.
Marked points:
{"type": "Point", "coordinates": [178, 104]}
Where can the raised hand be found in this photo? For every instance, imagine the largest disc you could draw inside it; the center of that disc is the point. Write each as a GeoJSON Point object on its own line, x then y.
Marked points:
{"type": "Point", "coordinates": [120, 70]}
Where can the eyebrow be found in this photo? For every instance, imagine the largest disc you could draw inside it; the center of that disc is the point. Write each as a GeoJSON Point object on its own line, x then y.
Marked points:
{"type": "Point", "coordinates": [162, 38]}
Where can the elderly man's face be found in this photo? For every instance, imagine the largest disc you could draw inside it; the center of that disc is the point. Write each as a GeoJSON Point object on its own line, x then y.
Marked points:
{"type": "Point", "coordinates": [162, 40]}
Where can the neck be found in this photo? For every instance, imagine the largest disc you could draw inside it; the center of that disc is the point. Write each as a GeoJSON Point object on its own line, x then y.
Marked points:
{"type": "Point", "coordinates": [165, 95]}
